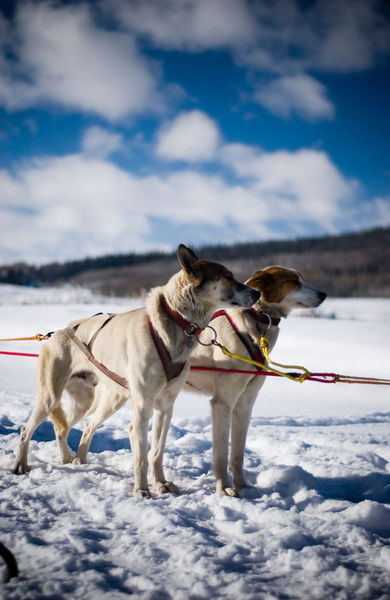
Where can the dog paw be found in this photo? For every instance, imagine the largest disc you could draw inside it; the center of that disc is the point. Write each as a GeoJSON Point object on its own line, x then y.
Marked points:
{"type": "Point", "coordinates": [20, 468]}
{"type": "Point", "coordinates": [228, 491]}
{"type": "Point", "coordinates": [65, 461]}
{"type": "Point", "coordinates": [166, 487]}
{"type": "Point", "coordinates": [140, 493]}
{"type": "Point", "coordinates": [79, 460]}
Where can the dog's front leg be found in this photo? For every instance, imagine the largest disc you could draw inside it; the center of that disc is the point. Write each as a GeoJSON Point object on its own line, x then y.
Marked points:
{"type": "Point", "coordinates": [221, 424]}
{"type": "Point", "coordinates": [161, 420]}
{"type": "Point", "coordinates": [240, 423]}
{"type": "Point", "coordinates": [138, 429]}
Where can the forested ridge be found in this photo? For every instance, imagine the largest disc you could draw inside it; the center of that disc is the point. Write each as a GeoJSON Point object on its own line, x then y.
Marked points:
{"type": "Point", "coordinates": [353, 264]}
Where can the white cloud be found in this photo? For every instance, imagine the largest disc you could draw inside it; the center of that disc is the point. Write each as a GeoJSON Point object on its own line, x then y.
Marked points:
{"type": "Point", "coordinates": [302, 185]}
{"type": "Point", "coordinates": [193, 25]}
{"type": "Point", "coordinates": [100, 142]}
{"type": "Point", "coordinates": [72, 206]}
{"type": "Point", "coordinates": [280, 36]}
{"type": "Point", "coordinates": [67, 55]}
{"type": "Point", "coordinates": [192, 137]}
{"type": "Point", "coordinates": [283, 38]}
{"type": "Point", "coordinates": [62, 57]}
{"type": "Point", "coordinates": [300, 95]}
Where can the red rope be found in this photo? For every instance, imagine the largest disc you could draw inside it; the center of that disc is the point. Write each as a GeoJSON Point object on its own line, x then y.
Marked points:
{"type": "Point", "coordinates": [319, 377]}
{"type": "Point", "coordinates": [20, 354]}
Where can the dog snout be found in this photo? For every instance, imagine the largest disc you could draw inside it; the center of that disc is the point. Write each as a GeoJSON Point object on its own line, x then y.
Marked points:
{"type": "Point", "coordinates": [253, 296]}
{"type": "Point", "coordinates": [245, 296]}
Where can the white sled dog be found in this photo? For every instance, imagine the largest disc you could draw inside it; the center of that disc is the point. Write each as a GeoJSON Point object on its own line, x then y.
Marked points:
{"type": "Point", "coordinates": [233, 395]}
{"type": "Point", "coordinates": [143, 355]}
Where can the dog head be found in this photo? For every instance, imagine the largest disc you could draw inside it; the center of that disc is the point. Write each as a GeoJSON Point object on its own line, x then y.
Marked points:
{"type": "Point", "coordinates": [285, 289]}
{"type": "Point", "coordinates": [213, 282]}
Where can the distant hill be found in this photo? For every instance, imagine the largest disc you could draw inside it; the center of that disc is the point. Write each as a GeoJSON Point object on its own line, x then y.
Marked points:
{"type": "Point", "coordinates": [354, 264]}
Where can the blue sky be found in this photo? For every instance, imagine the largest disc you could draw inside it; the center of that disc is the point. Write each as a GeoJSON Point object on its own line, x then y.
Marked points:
{"type": "Point", "coordinates": [137, 125]}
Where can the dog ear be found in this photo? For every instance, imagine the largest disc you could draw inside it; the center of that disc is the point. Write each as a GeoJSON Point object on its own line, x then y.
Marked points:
{"type": "Point", "coordinates": [260, 281]}
{"type": "Point", "coordinates": [190, 264]}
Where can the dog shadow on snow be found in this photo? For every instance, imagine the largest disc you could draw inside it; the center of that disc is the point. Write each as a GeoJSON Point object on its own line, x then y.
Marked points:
{"type": "Point", "coordinates": [284, 480]}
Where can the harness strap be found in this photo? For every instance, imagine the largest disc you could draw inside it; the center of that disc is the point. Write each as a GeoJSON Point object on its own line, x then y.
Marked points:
{"type": "Point", "coordinates": [171, 369]}
{"type": "Point", "coordinates": [263, 317]}
{"type": "Point", "coordinates": [84, 348]}
{"type": "Point", "coordinates": [93, 338]}
{"type": "Point", "coordinates": [244, 338]}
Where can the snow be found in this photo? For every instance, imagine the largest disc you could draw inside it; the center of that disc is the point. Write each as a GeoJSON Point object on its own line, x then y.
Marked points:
{"type": "Point", "coordinates": [315, 525]}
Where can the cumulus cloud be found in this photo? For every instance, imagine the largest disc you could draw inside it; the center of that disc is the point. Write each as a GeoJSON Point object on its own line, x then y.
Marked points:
{"type": "Point", "coordinates": [100, 142]}
{"type": "Point", "coordinates": [300, 185]}
{"type": "Point", "coordinates": [85, 56]}
{"type": "Point", "coordinates": [192, 137]}
{"type": "Point", "coordinates": [280, 36]}
{"type": "Point", "coordinates": [300, 95]}
{"type": "Point", "coordinates": [193, 25]}
{"type": "Point", "coordinates": [61, 56]}
{"type": "Point", "coordinates": [283, 38]}
{"type": "Point", "coordinates": [65, 207]}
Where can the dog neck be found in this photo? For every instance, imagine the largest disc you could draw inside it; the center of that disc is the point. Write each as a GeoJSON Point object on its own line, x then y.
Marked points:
{"type": "Point", "coordinates": [182, 298]}
{"type": "Point", "coordinates": [276, 311]}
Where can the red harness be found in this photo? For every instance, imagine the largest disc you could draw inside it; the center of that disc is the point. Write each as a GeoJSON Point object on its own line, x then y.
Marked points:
{"type": "Point", "coordinates": [245, 338]}
{"type": "Point", "coordinates": [172, 369]}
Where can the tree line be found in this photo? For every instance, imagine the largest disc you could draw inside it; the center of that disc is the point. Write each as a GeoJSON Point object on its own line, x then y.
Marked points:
{"type": "Point", "coordinates": [353, 263]}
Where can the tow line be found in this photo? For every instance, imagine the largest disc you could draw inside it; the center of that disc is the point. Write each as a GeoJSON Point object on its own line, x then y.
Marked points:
{"type": "Point", "coordinates": [267, 371]}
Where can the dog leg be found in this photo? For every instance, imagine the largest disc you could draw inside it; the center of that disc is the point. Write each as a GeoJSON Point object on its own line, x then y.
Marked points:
{"type": "Point", "coordinates": [61, 429]}
{"type": "Point", "coordinates": [105, 408]}
{"type": "Point", "coordinates": [240, 423]}
{"type": "Point", "coordinates": [221, 414]}
{"type": "Point", "coordinates": [39, 414]}
{"type": "Point", "coordinates": [138, 430]}
{"type": "Point", "coordinates": [161, 420]}
{"type": "Point", "coordinates": [50, 385]}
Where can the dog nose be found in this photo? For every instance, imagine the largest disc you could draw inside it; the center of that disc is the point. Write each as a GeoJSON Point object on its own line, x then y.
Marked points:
{"type": "Point", "coordinates": [322, 296]}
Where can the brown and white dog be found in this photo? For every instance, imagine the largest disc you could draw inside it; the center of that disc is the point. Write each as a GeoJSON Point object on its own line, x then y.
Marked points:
{"type": "Point", "coordinates": [146, 351]}
{"type": "Point", "coordinates": [233, 395]}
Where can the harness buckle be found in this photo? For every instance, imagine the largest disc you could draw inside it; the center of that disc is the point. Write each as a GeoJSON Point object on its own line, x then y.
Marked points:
{"type": "Point", "coordinates": [191, 329]}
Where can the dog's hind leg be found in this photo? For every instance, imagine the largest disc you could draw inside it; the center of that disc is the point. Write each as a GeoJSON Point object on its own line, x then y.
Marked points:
{"type": "Point", "coordinates": [162, 415]}
{"type": "Point", "coordinates": [50, 385]}
{"type": "Point", "coordinates": [105, 405]}
{"type": "Point", "coordinates": [61, 429]}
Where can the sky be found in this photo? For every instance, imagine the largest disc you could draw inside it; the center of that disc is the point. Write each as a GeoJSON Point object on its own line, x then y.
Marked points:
{"type": "Point", "coordinates": [130, 126]}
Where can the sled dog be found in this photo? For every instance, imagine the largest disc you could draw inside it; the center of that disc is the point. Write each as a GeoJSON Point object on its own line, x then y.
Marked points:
{"type": "Point", "coordinates": [233, 395]}
{"type": "Point", "coordinates": [143, 355]}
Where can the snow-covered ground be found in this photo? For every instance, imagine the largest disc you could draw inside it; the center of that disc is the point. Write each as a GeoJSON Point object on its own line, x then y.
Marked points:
{"type": "Point", "coordinates": [315, 525]}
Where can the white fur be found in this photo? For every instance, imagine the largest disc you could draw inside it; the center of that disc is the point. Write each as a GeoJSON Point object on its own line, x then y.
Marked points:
{"type": "Point", "coordinates": [125, 346]}
{"type": "Point", "coordinates": [233, 395]}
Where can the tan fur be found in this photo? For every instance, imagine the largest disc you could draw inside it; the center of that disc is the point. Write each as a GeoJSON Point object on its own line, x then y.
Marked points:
{"type": "Point", "coordinates": [125, 346]}
{"type": "Point", "coordinates": [233, 395]}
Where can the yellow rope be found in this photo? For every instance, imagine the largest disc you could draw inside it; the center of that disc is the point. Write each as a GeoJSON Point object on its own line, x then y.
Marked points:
{"type": "Point", "coordinates": [264, 348]}
{"type": "Point", "coordinates": [39, 337]}
{"type": "Point", "coordinates": [264, 345]}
